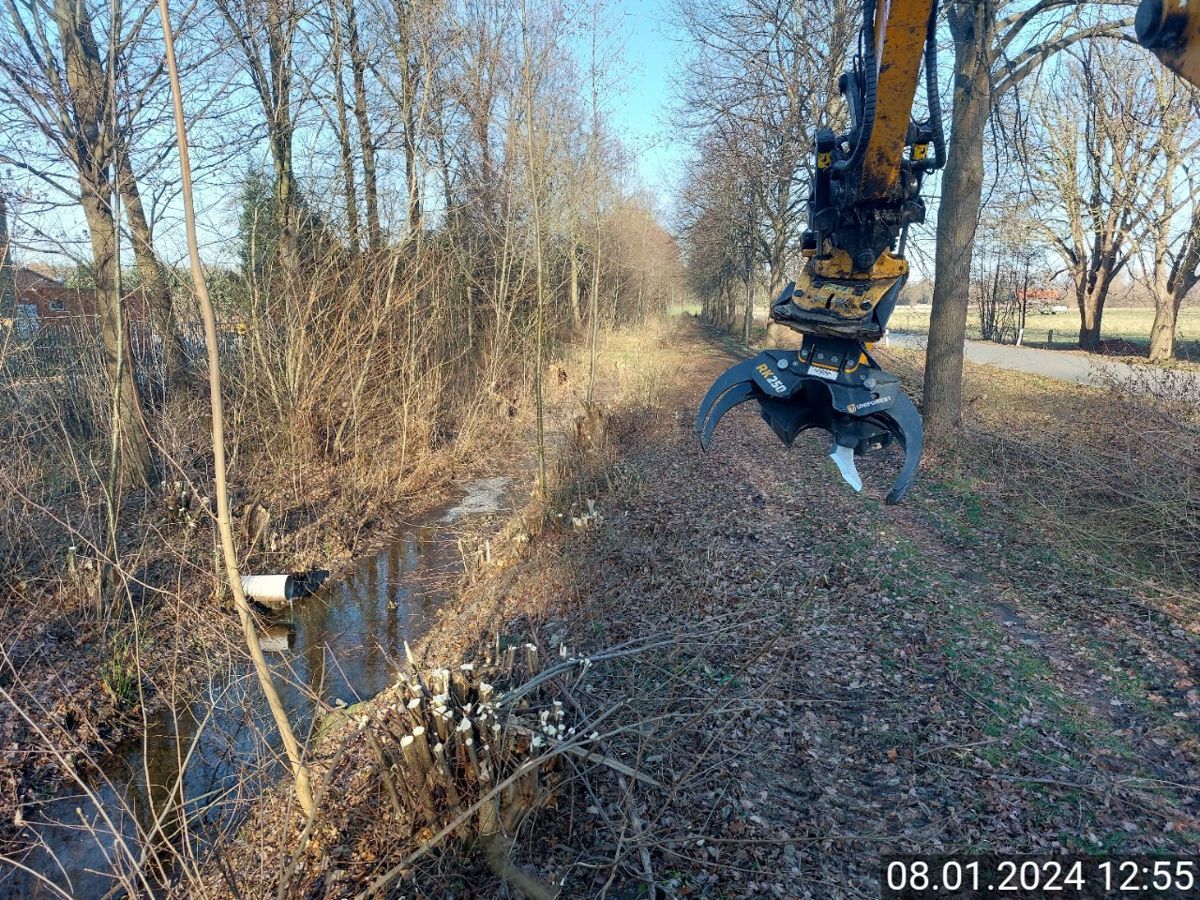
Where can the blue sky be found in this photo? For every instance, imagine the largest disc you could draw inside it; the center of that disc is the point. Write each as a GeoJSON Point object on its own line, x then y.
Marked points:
{"type": "Point", "coordinates": [639, 48]}
{"type": "Point", "coordinates": [640, 103]}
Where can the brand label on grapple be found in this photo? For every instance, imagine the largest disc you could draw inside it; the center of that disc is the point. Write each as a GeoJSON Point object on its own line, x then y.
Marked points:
{"type": "Point", "coordinates": [827, 374]}
{"type": "Point", "coordinates": [858, 407]}
{"type": "Point", "coordinates": [771, 378]}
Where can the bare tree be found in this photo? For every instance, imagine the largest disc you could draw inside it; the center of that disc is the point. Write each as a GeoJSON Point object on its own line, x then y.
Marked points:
{"type": "Point", "coordinates": [1098, 154]}
{"type": "Point", "coordinates": [154, 279]}
{"type": "Point", "coordinates": [265, 34]}
{"type": "Point", "coordinates": [1005, 270]}
{"type": "Point", "coordinates": [1173, 274]}
{"type": "Point", "coordinates": [1172, 209]}
{"type": "Point", "coordinates": [342, 122]}
{"type": "Point", "coordinates": [410, 27]}
{"type": "Point", "coordinates": [719, 234]}
{"type": "Point", "coordinates": [224, 526]}
{"type": "Point", "coordinates": [8, 284]}
{"type": "Point", "coordinates": [535, 173]}
{"type": "Point", "coordinates": [996, 47]}
{"type": "Point", "coordinates": [58, 81]}
{"type": "Point", "coordinates": [764, 79]}
{"type": "Point", "coordinates": [366, 136]}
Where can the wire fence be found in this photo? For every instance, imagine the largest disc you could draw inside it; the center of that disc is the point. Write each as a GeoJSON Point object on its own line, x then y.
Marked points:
{"type": "Point", "coordinates": [60, 367]}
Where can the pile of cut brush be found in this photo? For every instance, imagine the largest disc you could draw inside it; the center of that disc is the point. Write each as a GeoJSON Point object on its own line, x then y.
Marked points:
{"type": "Point", "coordinates": [473, 757]}
{"type": "Point", "coordinates": [474, 750]}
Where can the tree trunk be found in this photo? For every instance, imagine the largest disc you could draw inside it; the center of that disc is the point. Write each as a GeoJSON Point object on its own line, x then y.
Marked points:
{"type": "Point", "coordinates": [1162, 332]}
{"type": "Point", "coordinates": [8, 283]}
{"type": "Point", "coordinates": [748, 313]}
{"type": "Point", "coordinates": [288, 219]}
{"type": "Point", "coordinates": [958, 216]}
{"type": "Point", "coordinates": [1168, 297]}
{"type": "Point", "coordinates": [93, 157]}
{"type": "Point", "coordinates": [728, 308]}
{"type": "Point", "coordinates": [1091, 310]}
{"type": "Point", "coordinates": [136, 463]}
{"type": "Point", "coordinates": [358, 67]}
{"type": "Point", "coordinates": [535, 204]}
{"type": "Point", "coordinates": [343, 128]}
{"type": "Point", "coordinates": [410, 158]}
{"type": "Point", "coordinates": [409, 78]}
{"type": "Point", "coordinates": [1091, 304]}
{"type": "Point", "coordinates": [155, 284]}
{"type": "Point", "coordinates": [280, 129]}
{"type": "Point", "coordinates": [573, 286]}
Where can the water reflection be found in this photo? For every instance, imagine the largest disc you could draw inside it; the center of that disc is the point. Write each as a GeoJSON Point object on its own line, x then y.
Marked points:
{"type": "Point", "coordinates": [349, 636]}
{"type": "Point", "coordinates": [277, 637]}
{"type": "Point", "coordinates": [202, 763]}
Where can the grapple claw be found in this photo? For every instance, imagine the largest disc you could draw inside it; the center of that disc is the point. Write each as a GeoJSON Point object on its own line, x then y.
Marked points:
{"type": "Point", "coordinates": [739, 393]}
{"type": "Point", "coordinates": [736, 376]}
{"type": "Point", "coordinates": [904, 422]}
{"type": "Point", "coordinates": [830, 384]}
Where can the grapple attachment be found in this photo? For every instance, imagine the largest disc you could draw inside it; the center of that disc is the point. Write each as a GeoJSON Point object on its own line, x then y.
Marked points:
{"type": "Point", "coordinates": [832, 384]}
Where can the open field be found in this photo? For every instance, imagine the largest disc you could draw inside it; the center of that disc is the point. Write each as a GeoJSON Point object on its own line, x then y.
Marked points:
{"type": "Point", "coordinates": [1057, 332]}
{"type": "Point", "coordinates": [1060, 331]}
{"type": "Point", "coordinates": [1131, 324]}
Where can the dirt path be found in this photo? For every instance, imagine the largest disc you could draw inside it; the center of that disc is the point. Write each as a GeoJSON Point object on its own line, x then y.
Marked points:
{"type": "Point", "coordinates": [857, 679]}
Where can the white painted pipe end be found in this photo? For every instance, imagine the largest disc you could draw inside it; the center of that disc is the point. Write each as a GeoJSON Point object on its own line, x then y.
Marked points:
{"type": "Point", "coordinates": [269, 588]}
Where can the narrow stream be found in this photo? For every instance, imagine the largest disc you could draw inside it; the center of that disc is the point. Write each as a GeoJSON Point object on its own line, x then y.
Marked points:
{"type": "Point", "coordinates": [342, 644]}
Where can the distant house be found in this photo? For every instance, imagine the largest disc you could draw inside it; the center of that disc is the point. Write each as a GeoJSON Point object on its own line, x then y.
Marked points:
{"type": "Point", "coordinates": [1047, 301]}
{"type": "Point", "coordinates": [42, 299]}
{"type": "Point", "coordinates": [1038, 296]}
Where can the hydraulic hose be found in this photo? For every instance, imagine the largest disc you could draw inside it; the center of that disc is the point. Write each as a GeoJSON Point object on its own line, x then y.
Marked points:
{"type": "Point", "coordinates": [870, 91]}
{"type": "Point", "coordinates": [933, 99]}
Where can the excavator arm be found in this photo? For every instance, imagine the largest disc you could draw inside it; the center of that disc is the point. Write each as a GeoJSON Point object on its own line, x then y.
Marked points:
{"type": "Point", "coordinates": [1171, 29]}
{"type": "Point", "coordinates": [865, 193]}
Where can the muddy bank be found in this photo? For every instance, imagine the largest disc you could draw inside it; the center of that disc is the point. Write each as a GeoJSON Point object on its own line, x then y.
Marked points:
{"type": "Point", "coordinates": [187, 827]}
{"type": "Point", "coordinates": [200, 762]}
{"type": "Point", "coordinates": [329, 651]}
{"type": "Point", "coordinates": [518, 591]}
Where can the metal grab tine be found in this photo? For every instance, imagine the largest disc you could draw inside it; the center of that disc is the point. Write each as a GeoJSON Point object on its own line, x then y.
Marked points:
{"type": "Point", "coordinates": [743, 372]}
{"type": "Point", "coordinates": [911, 433]}
{"type": "Point", "coordinates": [739, 393]}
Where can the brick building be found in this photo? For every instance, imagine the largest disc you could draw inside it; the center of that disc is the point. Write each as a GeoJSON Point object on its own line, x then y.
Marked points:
{"type": "Point", "coordinates": [42, 299]}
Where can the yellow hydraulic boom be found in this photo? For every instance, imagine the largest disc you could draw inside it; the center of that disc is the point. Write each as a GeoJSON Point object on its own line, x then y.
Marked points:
{"type": "Point", "coordinates": [1171, 29]}
{"type": "Point", "coordinates": [865, 194]}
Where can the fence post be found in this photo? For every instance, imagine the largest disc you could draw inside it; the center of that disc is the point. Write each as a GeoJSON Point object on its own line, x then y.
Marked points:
{"type": "Point", "coordinates": [1050, 338]}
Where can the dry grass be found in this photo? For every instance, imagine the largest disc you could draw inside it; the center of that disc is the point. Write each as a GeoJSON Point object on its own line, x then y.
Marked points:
{"type": "Point", "coordinates": [371, 388]}
{"type": "Point", "coordinates": [1111, 475]}
{"type": "Point", "coordinates": [486, 609]}
{"type": "Point", "coordinates": [755, 675]}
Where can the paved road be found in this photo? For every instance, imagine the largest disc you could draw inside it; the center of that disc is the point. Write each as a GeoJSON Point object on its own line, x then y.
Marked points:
{"type": "Point", "coordinates": [1064, 365]}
